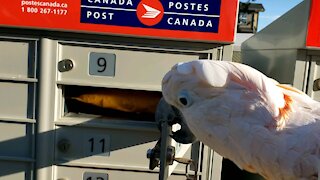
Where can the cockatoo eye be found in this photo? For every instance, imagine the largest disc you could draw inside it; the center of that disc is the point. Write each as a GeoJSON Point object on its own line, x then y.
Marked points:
{"type": "Point", "coordinates": [184, 99]}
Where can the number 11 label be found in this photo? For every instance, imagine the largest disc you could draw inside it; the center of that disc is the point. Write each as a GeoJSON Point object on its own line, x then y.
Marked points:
{"type": "Point", "coordinates": [102, 64]}
{"type": "Point", "coordinates": [97, 145]}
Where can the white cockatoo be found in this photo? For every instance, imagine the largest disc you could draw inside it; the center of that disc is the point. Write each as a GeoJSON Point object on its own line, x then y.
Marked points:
{"type": "Point", "coordinates": [262, 126]}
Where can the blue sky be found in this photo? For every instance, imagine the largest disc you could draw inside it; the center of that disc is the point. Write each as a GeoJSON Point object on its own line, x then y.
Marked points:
{"type": "Point", "coordinates": [273, 10]}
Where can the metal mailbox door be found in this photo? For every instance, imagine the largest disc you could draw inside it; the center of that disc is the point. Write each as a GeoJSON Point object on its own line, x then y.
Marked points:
{"type": "Point", "coordinates": [17, 107]}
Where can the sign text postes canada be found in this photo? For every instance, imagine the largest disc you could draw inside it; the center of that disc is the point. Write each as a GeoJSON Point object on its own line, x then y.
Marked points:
{"type": "Point", "coordinates": [186, 15]}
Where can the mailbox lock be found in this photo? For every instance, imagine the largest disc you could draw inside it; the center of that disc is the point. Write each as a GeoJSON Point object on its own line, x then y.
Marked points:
{"type": "Point", "coordinates": [316, 85]}
{"type": "Point", "coordinates": [64, 145]}
{"type": "Point", "coordinates": [65, 65]}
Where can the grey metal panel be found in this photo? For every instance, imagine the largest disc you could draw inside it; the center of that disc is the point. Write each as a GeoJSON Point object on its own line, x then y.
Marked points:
{"type": "Point", "coordinates": [74, 173]}
{"type": "Point", "coordinates": [217, 166]}
{"type": "Point", "coordinates": [129, 158]}
{"type": "Point", "coordinates": [46, 110]}
{"type": "Point", "coordinates": [10, 170]}
{"type": "Point", "coordinates": [16, 140]}
{"type": "Point", "coordinates": [17, 100]}
{"type": "Point", "coordinates": [17, 59]}
{"type": "Point", "coordinates": [277, 64]}
{"type": "Point", "coordinates": [301, 72]}
{"type": "Point", "coordinates": [240, 38]}
{"type": "Point", "coordinates": [314, 75]}
{"type": "Point", "coordinates": [227, 53]}
{"type": "Point", "coordinates": [135, 69]}
{"type": "Point", "coordinates": [288, 31]}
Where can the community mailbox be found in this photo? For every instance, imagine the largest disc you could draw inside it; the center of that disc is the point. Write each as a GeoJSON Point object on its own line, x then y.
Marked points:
{"type": "Point", "coordinates": [80, 80]}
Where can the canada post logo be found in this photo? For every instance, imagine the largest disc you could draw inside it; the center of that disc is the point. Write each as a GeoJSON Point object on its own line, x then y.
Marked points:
{"type": "Point", "coordinates": [150, 12]}
{"type": "Point", "coordinates": [184, 15]}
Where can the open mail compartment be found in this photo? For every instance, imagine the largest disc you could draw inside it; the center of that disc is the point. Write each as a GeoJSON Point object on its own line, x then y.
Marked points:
{"type": "Point", "coordinates": [127, 104]}
{"type": "Point", "coordinates": [105, 127]}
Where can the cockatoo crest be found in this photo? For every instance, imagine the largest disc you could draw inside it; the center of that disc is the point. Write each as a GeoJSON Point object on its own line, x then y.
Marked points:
{"type": "Point", "coordinates": [217, 77]}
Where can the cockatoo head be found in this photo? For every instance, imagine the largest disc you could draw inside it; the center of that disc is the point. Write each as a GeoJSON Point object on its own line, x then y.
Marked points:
{"type": "Point", "coordinates": [184, 86]}
{"type": "Point", "coordinates": [190, 83]}
{"type": "Point", "coordinates": [196, 86]}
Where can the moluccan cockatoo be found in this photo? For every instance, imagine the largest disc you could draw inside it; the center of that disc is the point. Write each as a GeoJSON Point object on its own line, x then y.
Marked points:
{"type": "Point", "coordinates": [262, 126]}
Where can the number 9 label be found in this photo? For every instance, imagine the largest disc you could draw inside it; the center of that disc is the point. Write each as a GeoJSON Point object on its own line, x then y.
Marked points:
{"type": "Point", "coordinates": [102, 64]}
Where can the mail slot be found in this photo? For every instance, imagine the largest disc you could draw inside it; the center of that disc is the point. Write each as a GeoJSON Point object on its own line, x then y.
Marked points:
{"type": "Point", "coordinates": [112, 102]}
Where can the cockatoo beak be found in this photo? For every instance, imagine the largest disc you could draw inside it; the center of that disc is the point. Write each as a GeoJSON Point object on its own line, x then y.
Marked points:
{"type": "Point", "coordinates": [166, 112]}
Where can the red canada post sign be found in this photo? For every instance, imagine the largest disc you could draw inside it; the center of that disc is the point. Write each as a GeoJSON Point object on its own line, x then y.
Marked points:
{"type": "Point", "coordinates": [187, 20]}
{"type": "Point", "coordinates": [313, 36]}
